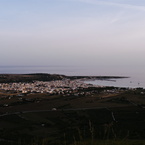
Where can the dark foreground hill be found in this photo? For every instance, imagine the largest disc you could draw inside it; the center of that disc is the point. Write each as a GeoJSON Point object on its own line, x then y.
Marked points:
{"type": "Point", "coordinates": [101, 119]}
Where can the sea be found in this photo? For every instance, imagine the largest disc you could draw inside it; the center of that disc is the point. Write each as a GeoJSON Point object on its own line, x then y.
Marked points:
{"type": "Point", "coordinates": [135, 76]}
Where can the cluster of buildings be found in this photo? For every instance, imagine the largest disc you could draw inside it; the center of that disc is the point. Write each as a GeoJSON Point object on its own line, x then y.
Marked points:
{"type": "Point", "coordinates": [51, 87]}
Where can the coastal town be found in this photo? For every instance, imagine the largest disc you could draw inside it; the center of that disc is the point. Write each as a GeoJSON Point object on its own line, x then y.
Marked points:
{"type": "Point", "coordinates": [58, 86]}
{"type": "Point", "coordinates": [16, 93]}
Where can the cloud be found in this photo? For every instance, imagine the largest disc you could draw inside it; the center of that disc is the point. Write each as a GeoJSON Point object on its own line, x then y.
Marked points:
{"type": "Point", "coordinates": [122, 5]}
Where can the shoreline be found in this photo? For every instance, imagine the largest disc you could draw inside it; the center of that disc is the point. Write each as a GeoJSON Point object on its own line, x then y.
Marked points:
{"type": "Point", "coordinates": [9, 78]}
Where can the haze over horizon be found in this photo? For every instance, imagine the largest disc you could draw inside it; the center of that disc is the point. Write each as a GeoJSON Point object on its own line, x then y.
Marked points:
{"type": "Point", "coordinates": [72, 32]}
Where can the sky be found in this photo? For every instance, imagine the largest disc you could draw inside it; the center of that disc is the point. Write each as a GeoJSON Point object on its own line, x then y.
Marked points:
{"type": "Point", "coordinates": [72, 32]}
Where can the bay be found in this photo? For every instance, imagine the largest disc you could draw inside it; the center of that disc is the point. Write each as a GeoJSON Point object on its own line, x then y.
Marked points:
{"type": "Point", "coordinates": [136, 75]}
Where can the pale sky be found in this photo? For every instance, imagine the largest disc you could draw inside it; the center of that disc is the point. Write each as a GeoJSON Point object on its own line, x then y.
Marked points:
{"type": "Point", "coordinates": [72, 32]}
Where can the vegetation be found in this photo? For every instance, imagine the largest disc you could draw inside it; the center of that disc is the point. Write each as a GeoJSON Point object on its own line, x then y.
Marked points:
{"type": "Point", "coordinates": [111, 142]}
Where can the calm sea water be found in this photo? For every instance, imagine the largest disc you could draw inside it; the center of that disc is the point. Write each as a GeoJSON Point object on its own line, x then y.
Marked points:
{"type": "Point", "coordinates": [136, 76]}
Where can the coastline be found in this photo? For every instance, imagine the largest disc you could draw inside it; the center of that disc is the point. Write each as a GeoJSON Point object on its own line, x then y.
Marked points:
{"type": "Point", "coordinates": [9, 78]}
{"type": "Point", "coordinates": [110, 81]}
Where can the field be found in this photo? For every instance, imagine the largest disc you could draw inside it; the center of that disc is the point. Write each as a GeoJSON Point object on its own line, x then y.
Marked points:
{"type": "Point", "coordinates": [53, 120]}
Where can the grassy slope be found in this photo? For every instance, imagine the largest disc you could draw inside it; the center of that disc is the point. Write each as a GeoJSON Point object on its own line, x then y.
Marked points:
{"type": "Point", "coordinates": [74, 127]}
